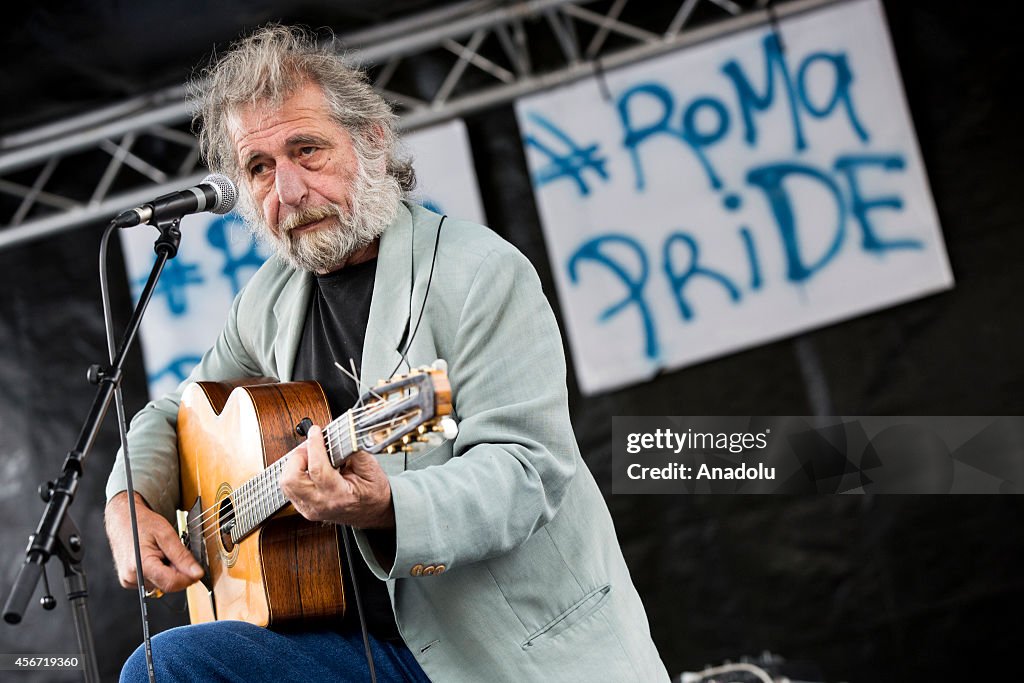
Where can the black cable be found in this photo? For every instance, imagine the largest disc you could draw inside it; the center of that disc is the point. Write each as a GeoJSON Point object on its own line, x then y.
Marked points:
{"type": "Point", "coordinates": [423, 306]}
{"type": "Point", "coordinates": [412, 282]}
{"type": "Point", "coordinates": [404, 359]}
{"type": "Point", "coordinates": [359, 602]}
{"type": "Point", "coordinates": [430, 278]}
{"type": "Point", "coordinates": [119, 400]}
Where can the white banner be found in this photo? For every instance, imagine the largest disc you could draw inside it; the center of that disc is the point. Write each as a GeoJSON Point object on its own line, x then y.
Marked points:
{"type": "Point", "coordinates": [732, 193]}
{"type": "Point", "coordinates": [218, 256]}
{"type": "Point", "coordinates": [446, 178]}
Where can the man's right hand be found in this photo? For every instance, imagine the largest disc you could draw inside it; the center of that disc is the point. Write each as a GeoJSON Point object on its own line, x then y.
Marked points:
{"type": "Point", "coordinates": [166, 562]}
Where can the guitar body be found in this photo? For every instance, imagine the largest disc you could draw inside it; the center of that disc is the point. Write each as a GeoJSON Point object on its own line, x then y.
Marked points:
{"type": "Point", "coordinates": [288, 569]}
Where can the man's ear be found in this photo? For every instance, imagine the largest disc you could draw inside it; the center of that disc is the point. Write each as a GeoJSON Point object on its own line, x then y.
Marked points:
{"type": "Point", "coordinates": [377, 137]}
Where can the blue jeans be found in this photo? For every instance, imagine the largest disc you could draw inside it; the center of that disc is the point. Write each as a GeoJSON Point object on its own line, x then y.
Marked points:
{"type": "Point", "coordinates": [237, 651]}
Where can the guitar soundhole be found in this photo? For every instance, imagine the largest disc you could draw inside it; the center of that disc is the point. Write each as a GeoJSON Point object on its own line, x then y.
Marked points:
{"type": "Point", "coordinates": [226, 522]}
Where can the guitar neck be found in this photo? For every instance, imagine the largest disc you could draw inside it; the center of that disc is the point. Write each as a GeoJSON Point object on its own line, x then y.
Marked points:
{"type": "Point", "coordinates": [261, 497]}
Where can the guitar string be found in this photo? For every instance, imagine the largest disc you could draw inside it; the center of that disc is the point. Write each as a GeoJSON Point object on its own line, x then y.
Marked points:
{"type": "Point", "coordinates": [333, 439]}
{"type": "Point", "coordinates": [334, 424]}
{"type": "Point", "coordinates": [260, 496]}
{"type": "Point", "coordinates": [240, 501]}
{"type": "Point", "coordinates": [358, 411]}
{"type": "Point", "coordinates": [247, 504]}
{"type": "Point", "coordinates": [262, 489]}
{"type": "Point", "coordinates": [253, 495]}
{"type": "Point", "coordinates": [212, 530]}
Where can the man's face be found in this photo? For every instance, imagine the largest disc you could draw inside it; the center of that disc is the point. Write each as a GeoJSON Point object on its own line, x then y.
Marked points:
{"type": "Point", "coordinates": [314, 198]}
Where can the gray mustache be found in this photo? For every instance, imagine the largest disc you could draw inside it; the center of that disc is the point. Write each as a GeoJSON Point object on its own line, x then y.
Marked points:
{"type": "Point", "coordinates": [309, 215]}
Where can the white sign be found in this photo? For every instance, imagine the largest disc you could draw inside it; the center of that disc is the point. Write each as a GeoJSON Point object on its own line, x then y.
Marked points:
{"type": "Point", "coordinates": [445, 178]}
{"type": "Point", "coordinates": [218, 255]}
{"type": "Point", "coordinates": [732, 193]}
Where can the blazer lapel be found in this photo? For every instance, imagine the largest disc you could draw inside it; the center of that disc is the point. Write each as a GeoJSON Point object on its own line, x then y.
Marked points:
{"type": "Point", "coordinates": [389, 313]}
{"type": "Point", "coordinates": [290, 312]}
{"type": "Point", "coordinates": [389, 307]}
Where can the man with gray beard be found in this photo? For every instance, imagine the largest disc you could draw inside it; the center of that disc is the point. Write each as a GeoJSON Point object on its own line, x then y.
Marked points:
{"type": "Point", "coordinates": [491, 557]}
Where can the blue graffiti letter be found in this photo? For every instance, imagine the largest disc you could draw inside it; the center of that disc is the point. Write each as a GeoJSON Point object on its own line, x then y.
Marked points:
{"type": "Point", "coordinates": [174, 282]}
{"type": "Point", "coordinates": [571, 164]}
{"type": "Point", "coordinates": [218, 235]}
{"type": "Point", "coordinates": [679, 279]}
{"type": "Point", "coordinates": [770, 179]}
{"type": "Point", "coordinates": [749, 99]}
{"type": "Point", "coordinates": [860, 206]}
{"type": "Point", "coordinates": [591, 251]}
{"type": "Point", "coordinates": [688, 133]}
{"type": "Point", "coordinates": [699, 140]}
{"type": "Point", "coordinates": [633, 137]}
{"type": "Point", "coordinates": [178, 369]}
{"type": "Point", "coordinates": [840, 92]}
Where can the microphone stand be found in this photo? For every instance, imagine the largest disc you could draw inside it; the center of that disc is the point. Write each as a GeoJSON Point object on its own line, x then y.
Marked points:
{"type": "Point", "coordinates": [57, 533]}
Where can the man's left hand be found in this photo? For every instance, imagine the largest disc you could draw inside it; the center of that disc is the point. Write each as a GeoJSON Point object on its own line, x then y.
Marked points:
{"type": "Point", "coordinates": [358, 494]}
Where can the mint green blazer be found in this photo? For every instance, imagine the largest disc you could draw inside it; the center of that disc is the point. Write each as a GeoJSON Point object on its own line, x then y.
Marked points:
{"type": "Point", "coordinates": [534, 586]}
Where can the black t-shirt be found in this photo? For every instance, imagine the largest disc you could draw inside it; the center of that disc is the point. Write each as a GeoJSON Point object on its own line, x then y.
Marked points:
{"type": "Point", "coordinates": [334, 331]}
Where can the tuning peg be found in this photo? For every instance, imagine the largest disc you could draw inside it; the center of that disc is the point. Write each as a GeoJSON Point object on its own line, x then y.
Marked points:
{"type": "Point", "coordinates": [390, 450]}
{"type": "Point", "coordinates": [406, 439]}
{"type": "Point", "coordinates": [440, 364]}
{"type": "Point", "coordinates": [407, 449]}
{"type": "Point", "coordinates": [422, 429]}
{"type": "Point", "coordinates": [423, 438]}
{"type": "Point", "coordinates": [448, 427]}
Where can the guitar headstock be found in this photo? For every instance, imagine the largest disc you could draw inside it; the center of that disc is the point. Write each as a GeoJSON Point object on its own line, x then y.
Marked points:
{"type": "Point", "coordinates": [404, 409]}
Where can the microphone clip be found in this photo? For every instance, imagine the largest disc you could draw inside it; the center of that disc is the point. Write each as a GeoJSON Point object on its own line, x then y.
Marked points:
{"type": "Point", "coordinates": [170, 237]}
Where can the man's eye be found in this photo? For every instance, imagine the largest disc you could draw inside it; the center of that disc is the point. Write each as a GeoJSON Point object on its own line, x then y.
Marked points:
{"type": "Point", "coordinates": [306, 151]}
{"type": "Point", "coordinates": [257, 169]}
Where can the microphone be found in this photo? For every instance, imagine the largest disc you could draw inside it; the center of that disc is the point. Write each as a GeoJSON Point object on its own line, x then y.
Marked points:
{"type": "Point", "coordinates": [215, 193]}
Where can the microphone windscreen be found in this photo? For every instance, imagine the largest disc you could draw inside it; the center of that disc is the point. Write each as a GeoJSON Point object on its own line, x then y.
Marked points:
{"type": "Point", "coordinates": [227, 194]}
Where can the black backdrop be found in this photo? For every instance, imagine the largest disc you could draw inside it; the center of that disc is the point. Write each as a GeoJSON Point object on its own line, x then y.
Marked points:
{"type": "Point", "coordinates": [885, 588]}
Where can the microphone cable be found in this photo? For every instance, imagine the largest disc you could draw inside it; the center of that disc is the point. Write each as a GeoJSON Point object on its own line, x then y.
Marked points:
{"type": "Point", "coordinates": [359, 601]}
{"type": "Point", "coordinates": [426, 293]}
{"type": "Point", "coordinates": [123, 433]}
{"type": "Point", "coordinates": [403, 359]}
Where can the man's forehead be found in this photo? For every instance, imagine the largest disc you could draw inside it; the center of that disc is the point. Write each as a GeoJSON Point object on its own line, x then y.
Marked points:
{"type": "Point", "coordinates": [253, 123]}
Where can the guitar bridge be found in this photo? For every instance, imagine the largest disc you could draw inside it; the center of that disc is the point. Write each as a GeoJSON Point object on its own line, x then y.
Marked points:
{"type": "Point", "coordinates": [183, 534]}
{"type": "Point", "coordinates": [191, 533]}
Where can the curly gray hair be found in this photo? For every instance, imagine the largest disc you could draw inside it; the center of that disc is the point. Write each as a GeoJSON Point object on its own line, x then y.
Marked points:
{"type": "Point", "coordinates": [273, 63]}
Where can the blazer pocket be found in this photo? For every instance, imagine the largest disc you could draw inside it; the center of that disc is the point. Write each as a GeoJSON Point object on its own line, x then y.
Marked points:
{"type": "Point", "coordinates": [590, 603]}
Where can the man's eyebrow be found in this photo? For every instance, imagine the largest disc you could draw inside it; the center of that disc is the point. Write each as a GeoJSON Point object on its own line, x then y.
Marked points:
{"type": "Point", "coordinates": [294, 141]}
{"type": "Point", "coordinates": [306, 139]}
{"type": "Point", "coordinates": [252, 157]}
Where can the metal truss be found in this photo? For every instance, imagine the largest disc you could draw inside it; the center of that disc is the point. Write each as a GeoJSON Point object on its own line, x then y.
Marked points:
{"type": "Point", "coordinates": [433, 66]}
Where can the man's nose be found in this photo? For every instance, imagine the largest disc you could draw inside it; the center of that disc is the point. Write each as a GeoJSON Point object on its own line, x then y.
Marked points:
{"type": "Point", "coordinates": [291, 184]}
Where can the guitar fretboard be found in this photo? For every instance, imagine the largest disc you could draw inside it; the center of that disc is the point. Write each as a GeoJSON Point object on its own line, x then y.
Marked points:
{"type": "Point", "coordinates": [261, 497]}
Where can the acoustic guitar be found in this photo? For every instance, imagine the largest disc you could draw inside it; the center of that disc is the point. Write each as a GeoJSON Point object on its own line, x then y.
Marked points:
{"type": "Point", "coordinates": [264, 563]}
